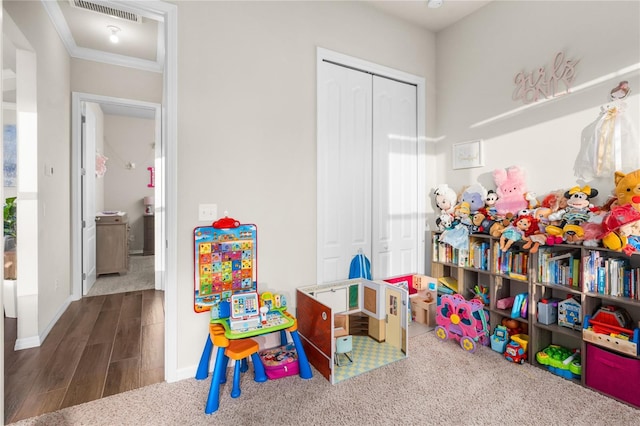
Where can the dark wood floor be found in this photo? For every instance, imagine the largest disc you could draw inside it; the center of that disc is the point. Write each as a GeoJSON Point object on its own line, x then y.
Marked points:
{"type": "Point", "coordinates": [101, 346]}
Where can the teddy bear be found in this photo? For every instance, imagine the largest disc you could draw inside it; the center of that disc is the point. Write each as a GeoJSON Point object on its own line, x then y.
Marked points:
{"type": "Point", "coordinates": [511, 190]}
{"type": "Point", "coordinates": [627, 190]}
{"type": "Point", "coordinates": [551, 203]}
{"type": "Point", "coordinates": [486, 225]}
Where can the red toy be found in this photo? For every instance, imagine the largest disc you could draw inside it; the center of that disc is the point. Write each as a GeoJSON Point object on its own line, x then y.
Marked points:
{"type": "Point", "coordinates": [611, 320]}
{"type": "Point", "coordinates": [515, 352]}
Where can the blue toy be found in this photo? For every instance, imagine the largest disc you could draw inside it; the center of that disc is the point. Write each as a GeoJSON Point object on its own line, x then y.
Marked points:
{"type": "Point", "coordinates": [520, 306]}
{"type": "Point", "coordinates": [499, 339]}
{"type": "Point", "coordinates": [482, 293]}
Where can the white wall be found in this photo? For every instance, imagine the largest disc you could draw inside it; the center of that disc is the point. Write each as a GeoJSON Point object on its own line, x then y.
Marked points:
{"type": "Point", "coordinates": [246, 113]}
{"type": "Point", "coordinates": [478, 58]}
{"type": "Point", "coordinates": [53, 108]}
{"type": "Point", "coordinates": [247, 126]}
{"type": "Point", "coordinates": [97, 78]}
{"type": "Point", "coordinates": [129, 140]}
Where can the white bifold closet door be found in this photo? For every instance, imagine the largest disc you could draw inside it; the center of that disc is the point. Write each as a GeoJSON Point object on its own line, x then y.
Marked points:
{"type": "Point", "coordinates": [367, 173]}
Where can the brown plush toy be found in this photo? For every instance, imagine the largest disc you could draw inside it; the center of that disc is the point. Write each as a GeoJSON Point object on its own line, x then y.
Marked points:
{"type": "Point", "coordinates": [489, 226]}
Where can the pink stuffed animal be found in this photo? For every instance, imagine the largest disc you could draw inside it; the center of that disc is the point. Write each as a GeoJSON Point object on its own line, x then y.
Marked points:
{"type": "Point", "coordinates": [511, 190]}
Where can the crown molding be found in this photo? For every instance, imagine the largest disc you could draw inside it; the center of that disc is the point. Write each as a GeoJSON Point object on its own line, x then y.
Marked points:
{"type": "Point", "coordinates": [59, 22]}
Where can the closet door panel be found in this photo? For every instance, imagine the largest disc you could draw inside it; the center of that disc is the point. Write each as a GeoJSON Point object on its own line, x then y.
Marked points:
{"type": "Point", "coordinates": [344, 169]}
{"type": "Point", "coordinates": [395, 165]}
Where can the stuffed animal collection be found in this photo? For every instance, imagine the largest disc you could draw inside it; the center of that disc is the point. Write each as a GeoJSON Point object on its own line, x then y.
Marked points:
{"type": "Point", "coordinates": [518, 218]}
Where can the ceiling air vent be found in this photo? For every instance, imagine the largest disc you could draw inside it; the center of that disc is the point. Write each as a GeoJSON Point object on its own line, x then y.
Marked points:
{"type": "Point", "coordinates": [105, 10]}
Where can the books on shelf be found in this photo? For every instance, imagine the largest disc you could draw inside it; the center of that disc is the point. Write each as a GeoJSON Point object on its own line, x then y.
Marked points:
{"type": "Point", "coordinates": [442, 289]}
{"type": "Point", "coordinates": [477, 256]}
{"type": "Point", "coordinates": [561, 268]}
{"type": "Point", "coordinates": [596, 272]}
{"type": "Point", "coordinates": [611, 276]}
{"type": "Point", "coordinates": [450, 283]}
{"type": "Point", "coordinates": [513, 264]}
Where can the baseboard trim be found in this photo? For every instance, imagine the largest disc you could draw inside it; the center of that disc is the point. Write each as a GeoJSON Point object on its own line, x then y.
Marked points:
{"type": "Point", "coordinates": [35, 341]}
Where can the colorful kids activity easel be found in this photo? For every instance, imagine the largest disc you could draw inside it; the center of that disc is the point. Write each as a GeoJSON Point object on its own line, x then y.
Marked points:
{"type": "Point", "coordinates": [225, 263]}
{"type": "Point", "coordinates": [225, 277]}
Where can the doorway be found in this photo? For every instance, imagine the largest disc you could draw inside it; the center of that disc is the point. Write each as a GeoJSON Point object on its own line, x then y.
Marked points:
{"type": "Point", "coordinates": [89, 148]}
{"type": "Point", "coordinates": [371, 168]}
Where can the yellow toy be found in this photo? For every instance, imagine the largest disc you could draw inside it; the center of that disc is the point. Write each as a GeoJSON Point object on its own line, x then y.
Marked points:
{"type": "Point", "coordinates": [627, 190]}
{"type": "Point", "coordinates": [266, 299]}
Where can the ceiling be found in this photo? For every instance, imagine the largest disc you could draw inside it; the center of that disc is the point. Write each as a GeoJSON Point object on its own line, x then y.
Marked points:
{"type": "Point", "coordinates": [85, 32]}
{"type": "Point", "coordinates": [85, 27]}
{"type": "Point", "coordinates": [430, 19]}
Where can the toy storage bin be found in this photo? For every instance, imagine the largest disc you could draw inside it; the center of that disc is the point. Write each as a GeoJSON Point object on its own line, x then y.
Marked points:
{"type": "Point", "coordinates": [281, 361]}
{"type": "Point", "coordinates": [613, 374]}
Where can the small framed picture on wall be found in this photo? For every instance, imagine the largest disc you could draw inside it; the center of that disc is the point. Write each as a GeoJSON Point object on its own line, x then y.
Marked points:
{"type": "Point", "coordinates": [468, 154]}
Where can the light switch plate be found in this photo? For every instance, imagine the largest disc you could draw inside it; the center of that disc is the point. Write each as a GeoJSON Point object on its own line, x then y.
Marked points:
{"type": "Point", "coordinates": [208, 212]}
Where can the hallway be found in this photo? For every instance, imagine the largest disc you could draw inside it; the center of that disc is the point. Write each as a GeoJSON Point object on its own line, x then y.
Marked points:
{"type": "Point", "coordinates": [101, 346]}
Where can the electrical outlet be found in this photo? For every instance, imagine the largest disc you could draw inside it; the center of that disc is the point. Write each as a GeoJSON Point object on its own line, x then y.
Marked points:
{"type": "Point", "coordinates": [207, 212]}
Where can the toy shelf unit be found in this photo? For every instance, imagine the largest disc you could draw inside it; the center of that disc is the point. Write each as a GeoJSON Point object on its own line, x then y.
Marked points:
{"type": "Point", "coordinates": [585, 301]}
{"type": "Point", "coordinates": [509, 286]}
{"type": "Point", "coordinates": [610, 332]}
{"type": "Point", "coordinates": [555, 279]}
{"type": "Point", "coordinates": [583, 308]}
{"type": "Point", "coordinates": [465, 272]}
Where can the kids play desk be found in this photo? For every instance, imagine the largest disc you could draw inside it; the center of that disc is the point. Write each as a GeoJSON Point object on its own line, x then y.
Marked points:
{"type": "Point", "coordinates": [277, 320]}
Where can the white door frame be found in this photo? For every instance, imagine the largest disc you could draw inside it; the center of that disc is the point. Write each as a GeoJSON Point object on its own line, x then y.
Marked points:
{"type": "Point", "coordinates": [323, 54]}
{"type": "Point", "coordinates": [77, 100]}
{"type": "Point", "coordinates": [166, 245]}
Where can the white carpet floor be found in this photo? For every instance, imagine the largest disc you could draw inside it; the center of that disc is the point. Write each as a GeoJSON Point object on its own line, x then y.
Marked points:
{"type": "Point", "coordinates": [437, 384]}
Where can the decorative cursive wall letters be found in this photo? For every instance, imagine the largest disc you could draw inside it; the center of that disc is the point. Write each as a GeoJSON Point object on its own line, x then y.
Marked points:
{"type": "Point", "coordinates": [542, 84]}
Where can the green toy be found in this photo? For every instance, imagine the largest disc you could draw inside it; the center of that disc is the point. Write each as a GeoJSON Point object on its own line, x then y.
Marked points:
{"type": "Point", "coordinates": [561, 361]}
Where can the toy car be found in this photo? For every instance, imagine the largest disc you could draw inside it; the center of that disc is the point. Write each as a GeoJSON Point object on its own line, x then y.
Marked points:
{"type": "Point", "coordinates": [515, 352]}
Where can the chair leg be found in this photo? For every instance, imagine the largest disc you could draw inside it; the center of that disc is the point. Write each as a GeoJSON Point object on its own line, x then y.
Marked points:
{"type": "Point", "coordinates": [303, 361]}
{"type": "Point", "coordinates": [205, 358]}
{"type": "Point", "coordinates": [245, 366]}
{"type": "Point", "coordinates": [235, 391]}
{"type": "Point", "coordinates": [259, 374]}
{"type": "Point", "coordinates": [225, 362]}
{"type": "Point", "coordinates": [213, 400]}
{"type": "Point", "coordinates": [348, 357]}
